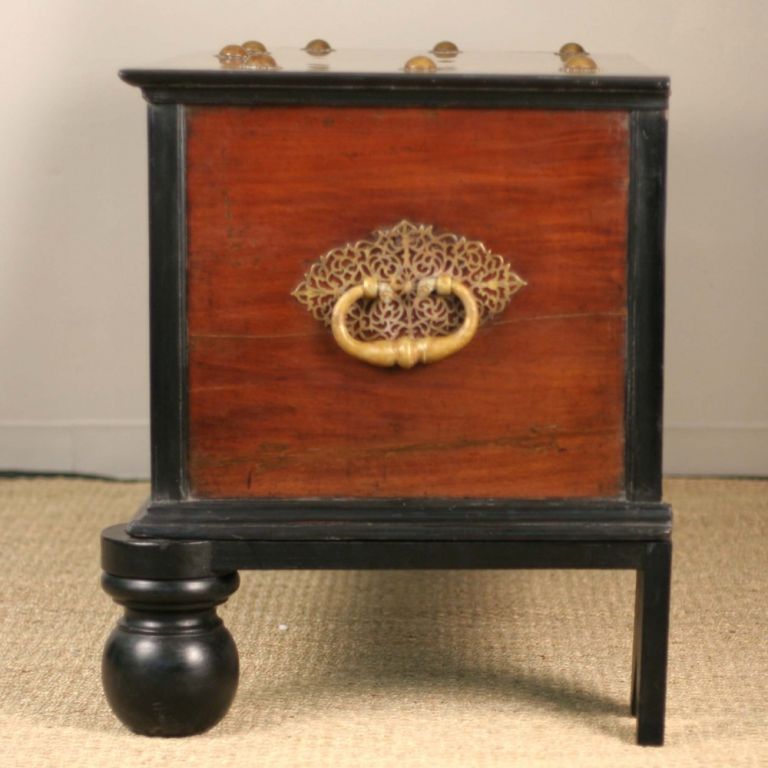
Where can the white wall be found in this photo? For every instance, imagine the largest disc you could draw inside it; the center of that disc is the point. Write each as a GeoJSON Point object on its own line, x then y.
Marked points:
{"type": "Point", "coordinates": [73, 267]}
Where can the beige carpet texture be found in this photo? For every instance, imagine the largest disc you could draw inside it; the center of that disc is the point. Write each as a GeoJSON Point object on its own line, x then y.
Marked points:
{"type": "Point", "coordinates": [366, 668]}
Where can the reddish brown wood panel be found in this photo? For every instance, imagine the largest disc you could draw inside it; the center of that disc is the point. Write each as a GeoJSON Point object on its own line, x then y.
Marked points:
{"type": "Point", "coordinates": [533, 407]}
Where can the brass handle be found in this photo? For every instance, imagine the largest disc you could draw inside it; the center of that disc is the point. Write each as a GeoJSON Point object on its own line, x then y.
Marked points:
{"type": "Point", "coordinates": [405, 351]}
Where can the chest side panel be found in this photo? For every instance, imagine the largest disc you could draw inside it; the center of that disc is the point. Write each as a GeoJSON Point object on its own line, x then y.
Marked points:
{"type": "Point", "coordinates": [533, 407]}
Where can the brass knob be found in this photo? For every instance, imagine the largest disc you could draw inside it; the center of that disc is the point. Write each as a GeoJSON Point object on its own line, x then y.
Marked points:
{"type": "Point", "coordinates": [260, 61]}
{"type": "Point", "coordinates": [445, 49]}
{"type": "Point", "coordinates": [420, 64]}
{"type": "Point", "coordinates": [579, 63]}
{"type": "Point", "coordinates": [318, 47]}
{"type": "Point", "coordinates": [232, 52]}
{"type": "Point", "coordinates": [254, 46]}
{"type": "Point", "coordinates": [570, 49]}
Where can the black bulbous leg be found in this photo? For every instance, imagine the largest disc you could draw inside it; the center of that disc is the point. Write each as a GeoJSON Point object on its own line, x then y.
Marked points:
{"type": "Point", "coordinates": [170, 667]}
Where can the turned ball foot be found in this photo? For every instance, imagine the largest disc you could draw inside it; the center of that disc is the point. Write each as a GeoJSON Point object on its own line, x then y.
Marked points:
{"type": "Point", "coordinates": [170, 667]}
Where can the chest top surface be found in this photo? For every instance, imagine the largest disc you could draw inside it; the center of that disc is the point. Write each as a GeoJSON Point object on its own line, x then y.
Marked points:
{"type": "Point", "coordinates": [441, 69]}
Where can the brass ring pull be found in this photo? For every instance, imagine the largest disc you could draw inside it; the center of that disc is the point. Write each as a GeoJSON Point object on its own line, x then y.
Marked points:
{"type": "Point", "coordinates": [405, 351]}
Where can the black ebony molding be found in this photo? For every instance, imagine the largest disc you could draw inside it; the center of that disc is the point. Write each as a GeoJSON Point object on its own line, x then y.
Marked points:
{"type": "Point", "coordinates": [404, 519]}
{"type": "Point", "coordinates": [645, 316]}
{"type": "Point", "coordinates": [251, 88]}
{"type": "Point", "coordinates": [167, 298]}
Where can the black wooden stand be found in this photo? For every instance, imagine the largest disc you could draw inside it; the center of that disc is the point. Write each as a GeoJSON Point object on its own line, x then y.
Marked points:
{"type": "Point", "coordinates": [170, 667]}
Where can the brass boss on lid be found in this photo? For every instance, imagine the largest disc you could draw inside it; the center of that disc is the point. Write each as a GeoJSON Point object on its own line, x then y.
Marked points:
{"type": "Point", "coordinates": [445, 49]}
{"type": "Point", "coordinates": [420, 64]}
{"type": "Point", "coordinates": [570, 49]}
{"type": "Point", "coordinates": [580, 62]}
{"type": "Point", "coordinates": [318, 47]}
{"type": "Point", "coordinates": [254, 46]}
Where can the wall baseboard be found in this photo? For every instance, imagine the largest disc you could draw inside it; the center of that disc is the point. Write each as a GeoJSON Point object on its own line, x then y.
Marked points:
{"type": "Point", "coordinates": [728, 449]}
{"type": "Point", "coordinates": [113, 448]}
{"type": "Point", "coordinates": [121, 448]}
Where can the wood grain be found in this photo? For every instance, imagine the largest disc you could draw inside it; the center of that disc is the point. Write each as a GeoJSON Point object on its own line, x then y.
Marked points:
{"type": "Point", "coordinates": [533, 407]}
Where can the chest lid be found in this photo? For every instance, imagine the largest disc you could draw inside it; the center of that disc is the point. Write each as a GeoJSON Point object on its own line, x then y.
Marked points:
{"type": "Point", "coordinates": [460, 77]}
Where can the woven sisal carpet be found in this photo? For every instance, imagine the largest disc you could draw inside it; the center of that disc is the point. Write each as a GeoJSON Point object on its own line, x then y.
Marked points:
{"type": "Point", "coordinates": [399, 669]}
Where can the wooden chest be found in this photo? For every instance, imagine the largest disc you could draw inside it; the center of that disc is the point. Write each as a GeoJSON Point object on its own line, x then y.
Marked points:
{"type": "Point", "coordinates": [406, 311]}
{"type": "Point", "coordinates": [258, 174]}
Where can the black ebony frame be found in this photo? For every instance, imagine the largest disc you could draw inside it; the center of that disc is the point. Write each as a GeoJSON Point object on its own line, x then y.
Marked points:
{"type": "Point", "coordinates": [178, 559]}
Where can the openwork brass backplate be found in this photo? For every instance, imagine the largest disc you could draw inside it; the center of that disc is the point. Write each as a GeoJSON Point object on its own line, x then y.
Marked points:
{"type": "Point", "coordinates": [404, 264]}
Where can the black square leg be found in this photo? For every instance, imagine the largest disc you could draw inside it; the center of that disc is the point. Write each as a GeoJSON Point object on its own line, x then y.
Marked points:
{"type": "Point", "coordinates": [636, 640]}
{"type": "Point", "coordinates": [649, 663]}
